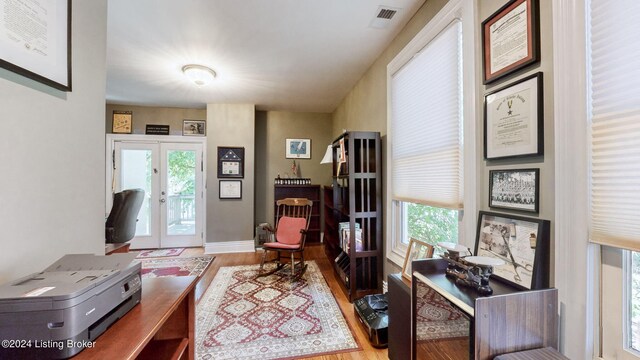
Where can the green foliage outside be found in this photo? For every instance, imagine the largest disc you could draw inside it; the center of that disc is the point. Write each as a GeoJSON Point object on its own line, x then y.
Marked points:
{"type": "Point", "coordinates": [432, 224]}
{"type": "Point", "coordinates": [181, 174]}
{"type": "Point", "coordinates": [635, 301]}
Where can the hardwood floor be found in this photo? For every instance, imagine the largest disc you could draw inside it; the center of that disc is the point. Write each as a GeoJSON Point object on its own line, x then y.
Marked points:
{"type": "Point", "coordinates": [312, 252]}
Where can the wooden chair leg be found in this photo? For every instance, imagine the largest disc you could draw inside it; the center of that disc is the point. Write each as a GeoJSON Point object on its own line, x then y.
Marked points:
{"type": "Point", "coordinates": [293, 265]}
{"type": "Point", "coordinates": [264, 257]}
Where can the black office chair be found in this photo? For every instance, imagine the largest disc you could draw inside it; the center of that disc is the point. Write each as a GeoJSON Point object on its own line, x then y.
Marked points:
{"type": "Point", "coordinates": [121, 223]}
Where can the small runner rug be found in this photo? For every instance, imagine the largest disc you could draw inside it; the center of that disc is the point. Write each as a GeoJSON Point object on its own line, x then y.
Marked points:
{"type": "Point", "coordinates": [179, 266]}
{"type": "Point", "coordinates": [244, 317]}
{"type": "Point", "coordinates": [159, 253]}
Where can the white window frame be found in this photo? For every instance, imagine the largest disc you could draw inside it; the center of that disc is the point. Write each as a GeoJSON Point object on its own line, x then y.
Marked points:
{"type": "Point", "coordinates": [465, 11]}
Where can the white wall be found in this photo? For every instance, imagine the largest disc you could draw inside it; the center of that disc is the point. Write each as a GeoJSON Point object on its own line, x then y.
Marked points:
{"type": "Point", "coordinates": [52, 156]}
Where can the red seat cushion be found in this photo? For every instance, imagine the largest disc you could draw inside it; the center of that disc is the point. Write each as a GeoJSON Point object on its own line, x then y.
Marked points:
{"type": "Point", "coordinates": [288, 231]}
{"type": "Point", "coordinates": [277, 245]}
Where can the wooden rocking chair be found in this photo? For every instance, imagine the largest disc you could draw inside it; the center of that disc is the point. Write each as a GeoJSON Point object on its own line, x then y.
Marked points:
{"type": "Point", "coordinates": [292, 216]}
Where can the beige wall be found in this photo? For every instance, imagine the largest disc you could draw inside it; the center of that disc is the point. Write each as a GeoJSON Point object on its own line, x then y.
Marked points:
{"type": "Point", "coordinates": [365, 107]}
{"type": "Point", "coordinates": [143, 115]}
{"type": "Point", "coordinates": [230, 125]}
{"type": "Point", "coordinates": [52, 152]}
{"type": "Point", "coordinates": [272, 129]}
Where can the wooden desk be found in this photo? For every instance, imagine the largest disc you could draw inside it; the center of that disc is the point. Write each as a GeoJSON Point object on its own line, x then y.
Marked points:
{"type": "Point", "coordinates": [162, 326]}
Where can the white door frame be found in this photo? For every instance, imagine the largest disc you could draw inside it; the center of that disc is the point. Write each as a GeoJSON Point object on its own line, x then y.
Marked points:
{"type": "Point", "coordinates": [110, 142]}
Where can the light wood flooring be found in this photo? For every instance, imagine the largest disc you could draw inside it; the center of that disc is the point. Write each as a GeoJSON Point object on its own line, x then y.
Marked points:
{"type": "Point", "coordinates": [312, 252]}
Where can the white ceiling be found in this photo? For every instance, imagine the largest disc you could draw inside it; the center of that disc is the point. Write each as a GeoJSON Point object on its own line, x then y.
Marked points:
{"type": "Point", "coordinates": [292, 55]}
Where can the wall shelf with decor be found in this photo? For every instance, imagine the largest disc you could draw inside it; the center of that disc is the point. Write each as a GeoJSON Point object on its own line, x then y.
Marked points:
{"type": "Point", "coordinates": [353, 205]}
{"type": "Point", "coordinates": [311, 192]}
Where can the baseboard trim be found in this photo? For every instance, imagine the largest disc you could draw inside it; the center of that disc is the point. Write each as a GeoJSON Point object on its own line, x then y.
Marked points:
{"type": "Point", "coordinates": [225, 247]}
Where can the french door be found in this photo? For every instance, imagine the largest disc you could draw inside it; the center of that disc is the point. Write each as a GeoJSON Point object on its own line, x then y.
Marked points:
{"type": "Point", "coordinates": [172, 176]}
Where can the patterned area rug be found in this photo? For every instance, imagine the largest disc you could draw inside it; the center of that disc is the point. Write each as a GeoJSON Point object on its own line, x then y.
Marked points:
{"type": "Point", "coordinates": [180, 266]}
{"type": "Point", "coordinates": [159, 253]}
{"type": "Point", "coordinates": [243, 317]}
{"type": "Point", "coordinates": [436, 318]}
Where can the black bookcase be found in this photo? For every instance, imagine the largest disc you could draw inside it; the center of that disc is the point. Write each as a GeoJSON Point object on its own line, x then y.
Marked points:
{"type": "Point", "coordinates": [354, 200]}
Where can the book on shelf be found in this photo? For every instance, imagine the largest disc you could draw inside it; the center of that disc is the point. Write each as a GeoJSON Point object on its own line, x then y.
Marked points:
{"type": "Point", "coordinates": [346, 239]}
{"type": "Point", "coordinates": [343, 229]}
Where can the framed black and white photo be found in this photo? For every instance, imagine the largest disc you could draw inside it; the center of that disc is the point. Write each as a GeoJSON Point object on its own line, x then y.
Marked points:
{"type": "Point", "coordinates": [194, 128]}
{"type": "Point", "coordinates": [514, 189]}
{"type": "Point", "coordinates": [511, 39]}
{"type": "Point", "coordinates": [522, 243]}
{"type": "Point", "coordinates": [230, 189]}
{"type": "Point", "coordinates": [230, 162]}
{"type": "Point", "coordinates": [513, 123]}
{"type": "Point", "coordinates": [298, 148]}
{"type": "Point", "coordinates": [35, 40]}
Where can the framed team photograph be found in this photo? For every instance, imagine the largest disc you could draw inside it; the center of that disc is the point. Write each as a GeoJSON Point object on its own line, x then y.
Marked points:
{"type": "Point", "coordinates": [516, 189]}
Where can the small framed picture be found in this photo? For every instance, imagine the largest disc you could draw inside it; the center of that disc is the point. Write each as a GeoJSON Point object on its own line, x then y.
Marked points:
{"type": "Point", "coordinates": [514, 189]}
{"type": "Point", "coordinates": [513, 124]}
{"type": "Point", "coordinates": [194, 128]}
{"type": "Point", "coordinates": [230, 162]}
{"type": "Point", "coordinates": [511, 39]}
{"type": "Point", "coordinates": [298, 148]}
{"type": "Point", "coordinates": [522, 243]}
{"type": "Point", "coordinates": [230, 189]}
{"type": "Point", "coordinates": [122, 122]}
{"type": "Point", "coordinates": [417, 250]}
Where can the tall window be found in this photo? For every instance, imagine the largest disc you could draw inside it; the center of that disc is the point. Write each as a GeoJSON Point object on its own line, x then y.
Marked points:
{"type": "Point", "coordinates": [425, 132]}
{"type": "Point", "coordinates": [615, 171]}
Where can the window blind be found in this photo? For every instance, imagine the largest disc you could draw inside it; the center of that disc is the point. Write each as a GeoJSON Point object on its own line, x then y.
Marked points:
{"type": "Point", "coordinates": [615, 123]}
{"type": "Point", "coordinates": [426, 123]}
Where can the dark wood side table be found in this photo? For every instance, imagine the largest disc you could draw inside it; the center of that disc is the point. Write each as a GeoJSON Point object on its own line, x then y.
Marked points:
{"type": "Point", "coordinates": [162, 326]}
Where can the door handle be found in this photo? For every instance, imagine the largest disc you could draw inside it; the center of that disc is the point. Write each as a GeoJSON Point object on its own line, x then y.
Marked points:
{"type": "Point", "coordinates": [163, 201]}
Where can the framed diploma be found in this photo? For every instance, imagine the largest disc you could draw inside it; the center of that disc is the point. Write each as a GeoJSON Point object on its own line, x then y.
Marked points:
{"type": "Point", "coordinates": [230, 189]}
{"type": "Point", "coordinates": [35, 40]}
{"type": "Point", "coordinates": [230, 162]}
{"type": "Point", "coordinates": [121, 123]}
{"type": "Point", "coordinates": [510, 39]}
{"type": "Point", "coordinates": [513, 124]}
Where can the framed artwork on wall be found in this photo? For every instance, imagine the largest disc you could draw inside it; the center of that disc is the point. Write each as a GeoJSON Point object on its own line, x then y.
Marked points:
{"type": "Point", "coordinates": [194, 128]}
{"type": "Point", "coordinates": [513, 123]}
{"type": "Point", "coordinates": [522, 243]}
{"type": "Point", "coordinates": [230, 189]}
{"type": "Point", "coordinates": [37, 41]}
{"type": "Point", "coordinates": [122, 122]}
{"type": "Point", "coordinates": [230, 162]}
{"type": "Point", "coordinates": [298, 148]}
{"type": "Point", "coordinates": [516, 189]}
{"type": "Point", "coordinates": [510, 39]}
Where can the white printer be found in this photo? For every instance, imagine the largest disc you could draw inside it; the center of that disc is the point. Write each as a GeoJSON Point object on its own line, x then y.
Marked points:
{"type": "Point", "coordinates": [58, 312]}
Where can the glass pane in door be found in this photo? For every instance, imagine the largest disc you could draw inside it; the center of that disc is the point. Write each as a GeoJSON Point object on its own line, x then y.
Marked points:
{"type": "Point", "coordinates": [181, 186]}
{"type": "Point", "coordinates": [136, 173]}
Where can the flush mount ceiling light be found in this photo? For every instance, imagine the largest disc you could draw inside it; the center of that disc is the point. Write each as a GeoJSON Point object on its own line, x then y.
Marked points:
{"type": "Point", "coordinates": [199, 74]}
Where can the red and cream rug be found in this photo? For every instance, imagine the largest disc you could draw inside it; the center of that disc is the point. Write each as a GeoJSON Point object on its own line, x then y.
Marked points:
{"type": "Point", "coordinates": [244, 317]}
{"type": "Point", "coordinates": [159, 253]}
{"type": "Point", "coordinates": [436, 318]}
{"type": "Point", "coordinates": [178, 266]}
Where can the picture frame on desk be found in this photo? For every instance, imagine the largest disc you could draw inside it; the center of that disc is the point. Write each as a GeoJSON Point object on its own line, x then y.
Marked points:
{"type": "Point", "coordinates": [417, 250]}
{"type": "Point", "coordinates": [521, 242]}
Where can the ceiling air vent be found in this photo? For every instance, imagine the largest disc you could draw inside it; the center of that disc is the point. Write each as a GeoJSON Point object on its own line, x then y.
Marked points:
{"type": "Point", "coordinates": [386, 13]}
{"type": "Point", "coordinates": [383, 17]}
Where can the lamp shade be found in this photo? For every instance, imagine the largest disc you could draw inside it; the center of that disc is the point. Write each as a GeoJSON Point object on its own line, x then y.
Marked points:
{"type": "Point", "coordinates": [199, 74]}
{"type": "Point", "coordinates": [328, 156]}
